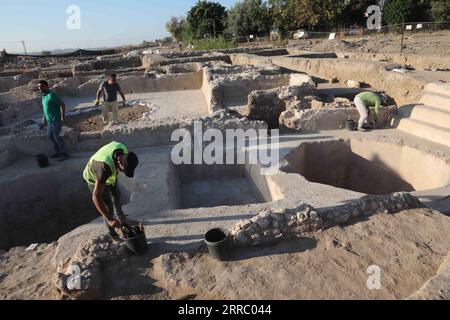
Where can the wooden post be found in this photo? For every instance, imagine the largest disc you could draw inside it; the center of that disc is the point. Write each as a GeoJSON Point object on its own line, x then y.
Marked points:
{"type": "Point", "coordinates": [403, 37]}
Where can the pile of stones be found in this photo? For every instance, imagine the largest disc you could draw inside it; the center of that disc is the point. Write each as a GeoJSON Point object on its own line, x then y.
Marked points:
{"type": "Point", "coordinates": [229, 119]}
{"type": "Point", "coordinates": [370, 205]}
{"type": "Point", "coordinates": [80, 277]}
{"type": "Point", "coordinates": [273, 225]}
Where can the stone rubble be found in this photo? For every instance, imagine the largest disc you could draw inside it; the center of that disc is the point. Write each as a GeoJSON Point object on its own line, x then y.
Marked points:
{"type": "Point", "coordinates": [90, 256]}
{"type": "Point", "coordinates": [229, 119]}
{"type": "Point", "coordinates": [368, 206]}
{"type": "Point", "coordinates": [273, 225]}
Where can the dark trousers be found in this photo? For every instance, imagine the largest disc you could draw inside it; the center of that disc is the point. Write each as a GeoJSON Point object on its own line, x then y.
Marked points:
{"type": "Point", "coordinates": [111, 199]}
{"type": "Point", "coordinates": [53, 131]}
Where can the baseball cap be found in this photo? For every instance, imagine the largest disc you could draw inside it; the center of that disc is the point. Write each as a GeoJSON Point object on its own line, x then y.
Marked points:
{"type": "Point", "coordinates": [130, 162]}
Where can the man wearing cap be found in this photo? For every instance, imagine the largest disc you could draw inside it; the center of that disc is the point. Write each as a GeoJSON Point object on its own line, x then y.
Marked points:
{"type": "Point", "coordinates": [364, 101]}
{"type": "Point", "coordinates": [101, 176]}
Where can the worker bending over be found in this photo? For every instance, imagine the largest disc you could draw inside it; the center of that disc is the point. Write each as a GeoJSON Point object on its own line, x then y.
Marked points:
{"type": "Point", "coordinates": [364, 101]}
{"type": "Point", "coordinates": [101, 176]}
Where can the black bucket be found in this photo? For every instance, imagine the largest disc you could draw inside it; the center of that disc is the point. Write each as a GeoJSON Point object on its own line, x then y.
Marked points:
{"type": "Point", "coordinates": [351, 125]}
{"type": "Point", "coordinates": [138, 244]}
{"type": "Point", "coordinates": [218, 244]}
{"type": "Point", "coordinates": [42, 160]}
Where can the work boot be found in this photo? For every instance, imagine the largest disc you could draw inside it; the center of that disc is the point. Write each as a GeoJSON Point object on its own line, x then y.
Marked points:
{"type": "Point", "coordinates": [362, 130]}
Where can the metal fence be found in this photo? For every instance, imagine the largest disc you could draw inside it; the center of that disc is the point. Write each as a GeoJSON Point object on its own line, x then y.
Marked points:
{"type": "Point", "coordinates": [407, 27]}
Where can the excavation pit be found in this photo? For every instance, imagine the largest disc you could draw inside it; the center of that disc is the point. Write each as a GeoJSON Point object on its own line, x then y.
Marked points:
{"type": "Point", "coordinates": [368, 167]}
{"type": "Point", "coordinates": [206, 186]}
{"type": "Point", "coordinates": [42, 206]}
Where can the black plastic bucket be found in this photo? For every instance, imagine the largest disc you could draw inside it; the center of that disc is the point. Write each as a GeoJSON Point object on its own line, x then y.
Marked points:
{"type": "Point", "coordinates": [350, 125]}
{"type": "Point", "coordinates": [138, 244]}
{"type": "Point", "coordinates": [42, 160]}
{"type": "Point", "coordinates": [218, 244]}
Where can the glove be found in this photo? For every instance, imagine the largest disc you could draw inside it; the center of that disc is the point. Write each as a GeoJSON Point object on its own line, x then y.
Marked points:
{"type": "Point", "coordinates": [97, 102]}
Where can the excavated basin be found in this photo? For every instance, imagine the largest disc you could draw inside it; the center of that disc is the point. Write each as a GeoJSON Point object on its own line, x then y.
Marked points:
{"type": "Point", "coordinates": [368, 166]}
{"type": "Point", "coordinates": [43, 206]}
{"type": "Point", "coordinates": [221, 185]}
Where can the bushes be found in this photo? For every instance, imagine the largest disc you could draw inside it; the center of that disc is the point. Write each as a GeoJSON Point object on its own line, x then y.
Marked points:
{"type": "Point", "coordinates": [213, 43]}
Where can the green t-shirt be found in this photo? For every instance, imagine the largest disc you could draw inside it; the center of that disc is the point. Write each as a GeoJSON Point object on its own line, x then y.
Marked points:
{"type": "Point", "coordinates": [51, 104]}
{"type": "Point", "coordinates": [371, 99]}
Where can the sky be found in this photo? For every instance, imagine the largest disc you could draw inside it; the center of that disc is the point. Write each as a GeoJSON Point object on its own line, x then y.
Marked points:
{"type": "Point", "coordinates": [42, 24]}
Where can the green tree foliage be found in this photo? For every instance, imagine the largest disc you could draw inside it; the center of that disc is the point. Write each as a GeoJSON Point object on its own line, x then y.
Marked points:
{"type": "Point", "coordinates": [213, 44]}
{"type": "Point", "coordinates": [354, 13]}
{"type": "Point", "coordinates": [188, 34]}
{"type": "Point", "coordinates": [249, 17]}
{"type": "Point", "coordinates": [175, 27]}
{"type": "Point", "coordinates": [207, 19]}
{"type": "Point", "coordinates": [440, 10]}
{"type": "Point", "coordinates": [281, 15]}
{"type": "Point", "coordinates": [399, 11]}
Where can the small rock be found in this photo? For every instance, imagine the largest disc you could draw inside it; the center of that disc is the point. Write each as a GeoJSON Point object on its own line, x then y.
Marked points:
{"type": "Point", "coordinates": [353, 84]}
{"type": "Point", "coordinates": [101, 255]}
{"type": "Point", "coordinates": [263, 223]}
{"type": "Point", "coordinates": [241, 239]}
{"type": "Point", "coordinates": [104, 246]}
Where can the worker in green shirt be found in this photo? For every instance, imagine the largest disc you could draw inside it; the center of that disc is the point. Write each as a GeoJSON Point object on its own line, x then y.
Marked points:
{"type": "Point", "coordinates": [364, 101]}
{"type": "Point", "coordinates": [101, 176]}
{"type": "Point", "coordinates": [54, 118]}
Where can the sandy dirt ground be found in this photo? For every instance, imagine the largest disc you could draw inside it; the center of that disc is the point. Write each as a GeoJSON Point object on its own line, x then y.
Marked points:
{"type": "Point", "coordinates": [93, 121]}
{"type": "Point", "coordinates": [26, 274]}
{"type": "Point", "coordinates": [425, 43]}
{"type": "Point", "coordinates": [408, 248]}
{"type": "Point", "coordinates": [332, 264]}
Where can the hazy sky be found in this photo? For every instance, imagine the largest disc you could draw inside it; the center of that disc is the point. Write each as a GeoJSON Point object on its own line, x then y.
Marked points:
{"type": "Point", "coordinates": [42, 24]}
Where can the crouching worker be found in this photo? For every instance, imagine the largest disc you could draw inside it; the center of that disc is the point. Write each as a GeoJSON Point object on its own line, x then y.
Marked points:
{"type": "Point", "coordinates": [101, 176]}
{"type": "Point", "coordinates": [364, 101]}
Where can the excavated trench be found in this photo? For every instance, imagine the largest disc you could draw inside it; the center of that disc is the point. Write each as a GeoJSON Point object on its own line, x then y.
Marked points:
{"type": "Point", "coordinates": [368, 167]}
{"type": "Point", "coordinates": [41, 207]}
{"type": "Point", "coordinates": [197, 186]}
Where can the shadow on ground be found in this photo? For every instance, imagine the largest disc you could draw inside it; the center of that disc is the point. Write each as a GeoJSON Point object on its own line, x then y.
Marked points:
{"type": "Point", "coordinates": [284, 247]}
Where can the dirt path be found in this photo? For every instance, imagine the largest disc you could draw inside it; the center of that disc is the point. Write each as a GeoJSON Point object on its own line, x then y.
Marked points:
{"type": "Point", "coordinates": [418, 43]}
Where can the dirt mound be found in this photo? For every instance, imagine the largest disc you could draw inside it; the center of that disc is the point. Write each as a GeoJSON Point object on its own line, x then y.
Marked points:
{"type": "Point", "coordinates": [92, 121]}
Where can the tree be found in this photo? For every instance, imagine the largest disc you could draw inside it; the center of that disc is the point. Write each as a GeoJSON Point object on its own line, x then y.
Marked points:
{"type": "Point", "coordinates": [249, 17]}
{"type": "Point", "coordinates": [440, 10]}
{"type": "Point", "coordinates": [281, 15]}
{"type": "Point", "coordinates": [354, 13]}
{"type": "Point", "coordinates": [46, 53]}
{"type": "Point", "coordinates": [318, 15]}
{"type": "Point", "coordinates": [399, 11]}
{"type": "Point", "coordinates": [175, 27]}
{"type": "Point", "coordinates": [187, 34]}
{"type": "Point", "coordinates": [207, 19]}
